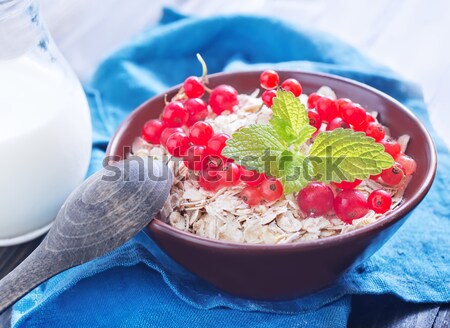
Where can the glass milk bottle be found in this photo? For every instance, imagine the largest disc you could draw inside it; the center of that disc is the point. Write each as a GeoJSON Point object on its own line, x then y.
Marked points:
{"type": "Point", "coordinates": [45, 127]}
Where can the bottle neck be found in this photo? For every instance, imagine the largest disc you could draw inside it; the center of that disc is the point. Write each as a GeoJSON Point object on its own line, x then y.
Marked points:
{"type": "Point", "coordinates": [21, 28]}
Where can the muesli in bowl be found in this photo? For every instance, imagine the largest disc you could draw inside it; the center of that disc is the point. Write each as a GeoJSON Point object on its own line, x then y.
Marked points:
{"type": "Point", "coordinates": [277, 167]}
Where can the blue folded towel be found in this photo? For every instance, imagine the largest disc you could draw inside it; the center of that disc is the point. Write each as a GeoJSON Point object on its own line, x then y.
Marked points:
{"type": "Point", "coordinates": [137, 285]}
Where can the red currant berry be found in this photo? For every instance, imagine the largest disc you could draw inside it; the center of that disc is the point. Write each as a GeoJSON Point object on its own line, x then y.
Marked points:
{"type": "Point", "coordinates": [217, 143]}
{"type": "Point", "coordinates": [393, 175]}
{"type": "Point", "coordinates": [409, 165]}
{"type": "Point", "coordinates": [353, 114]}
{"type": "Point", "coordinates": [174, 115]}
{"type": "Point", "coordinates": [251, 196]}
{"type": "Point", "coordinates": [344, 185]}
{"type": "Point", "coordinates": [390, 146]}
{"type": "Point", "coordinates": [194, 157]}
{"type": "Point", "coordinates": [375, 177]}
{"type": "Point", "coordinates": [336, 123]}
{"type": "Point", "coordinates": [271, 189]}
{"type": "Point", "coordinates": [177, 144]}
{"type": "Point", "coordinates": [314, 119]}
{"type": "Point", "coordinates": [313, 99]}
{"type": "Point", "coordinates": [379, 201]}
{"type": "Point", "coordinates": [230, 175]}
{"type": "Point", "coordinates": [341, 103]}
{"type": "Point", "coordinates": [269, 79]}
{"type": "Point", "coordinates": [327, 109]}
{"type": "Point", "coordinates": [251, 178]}
{"type": "Point", "coordinates": [370, 118]}
{"type": "Point", "coordinates": [375, 130]}
{"type": "Point", "coordinates": [223, 98]}
{"type": "Point", "coordinates": [193, 87]}
{"type": "Point", "coordinates": [315, 199]}
{"type": "Point", "coordinates": [211, 166]}
{"type": "Point", "coordinates": [363, 126]}
{"type": "Point", "coordinates": [360, 128]}
{"type": "Point", "coordinates": [349, 205]}
{"type": "Point", "coordinates": [267, 97]}
{"type": "Point", "coordinates": [293, 86]}
{"type": "Point", "coordinates": [151, 132]}
{"type": "Point", "coordinates": [200, 133]}
{"type": "Point", "coordinates": [197, 108]}
{"type": "Point", "coordinates": [207, 184]}
{"type": "Point", "coordinates": [167, 133]}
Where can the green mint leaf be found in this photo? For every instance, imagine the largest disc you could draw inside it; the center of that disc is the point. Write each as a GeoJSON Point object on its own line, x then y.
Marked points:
{"type": "Point", "coordinates": [283, 129]}
{"type": "Point", "coordinates": [304, 134]}
{"type": "Point", "coordinates": [293, 171]}
{"type": "Point", "coordinates": [287, 133]}
{"type": "Point", "coordinates": [289, 109]}
{"type": "Point", "coordinates": [290, 118]}
{"type": "Point", "coordinates": [256, 147]}
{"type": "Point", "coordinates": [342, 154]}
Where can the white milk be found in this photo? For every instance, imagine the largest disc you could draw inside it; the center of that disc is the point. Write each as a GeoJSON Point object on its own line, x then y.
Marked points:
{"type": "Point", "coordinates": [45, 143]}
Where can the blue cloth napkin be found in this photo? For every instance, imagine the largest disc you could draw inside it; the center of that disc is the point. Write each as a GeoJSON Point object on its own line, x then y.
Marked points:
{"type": "Point", "coordinates": [137, 285]}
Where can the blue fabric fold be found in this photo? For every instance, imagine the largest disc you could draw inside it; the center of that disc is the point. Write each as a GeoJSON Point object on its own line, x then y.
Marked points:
{"type": "Point", "coordinates": [138, 285]}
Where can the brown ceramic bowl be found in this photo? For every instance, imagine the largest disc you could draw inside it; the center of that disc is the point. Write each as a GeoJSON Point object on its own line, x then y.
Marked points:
{"type": "Point", "coordinates": [290, 270]}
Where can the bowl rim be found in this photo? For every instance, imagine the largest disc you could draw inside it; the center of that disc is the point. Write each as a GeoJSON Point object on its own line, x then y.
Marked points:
{"type": "Point", "coordinates": [380, 224]}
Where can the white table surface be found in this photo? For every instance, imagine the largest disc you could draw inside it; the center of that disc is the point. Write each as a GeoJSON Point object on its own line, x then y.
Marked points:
{"type": "Point", "coordinates": [410, 36]}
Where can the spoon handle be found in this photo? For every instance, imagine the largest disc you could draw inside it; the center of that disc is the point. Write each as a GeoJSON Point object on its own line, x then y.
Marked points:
{"type": "Point", "coordinates": [103, 213]}
{"type": "Point", "coordinates": [26, 276]}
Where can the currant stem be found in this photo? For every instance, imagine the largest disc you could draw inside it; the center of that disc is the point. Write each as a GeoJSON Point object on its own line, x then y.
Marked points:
{"type": "Point", "coordinates": [204, 67]}
{"type": "Point", "coordinates": [180, 95]}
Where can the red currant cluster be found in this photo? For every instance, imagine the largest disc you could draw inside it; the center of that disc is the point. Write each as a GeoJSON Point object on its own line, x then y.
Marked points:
{"type": "Point", "coordinates": [219, 172]}
{"type": "Point", "coordinates": [187, 112]}
{"type": "Point", "coordinates": [182, 130]}
{"type": "Point", "coordinates": [201, 151]}
{"type": "Point", "coordinates": [269, 80]}
{"type": "Point", "coordinates": [187, 108]}
{"type": "Point", "coordinates": [349, 204]}
{"type": "Point", "coordinates": [343, 113]}
{"type": "Point", "coordinates": [318, 199]}
{"type": "Point", "coordinates": [259, 188]}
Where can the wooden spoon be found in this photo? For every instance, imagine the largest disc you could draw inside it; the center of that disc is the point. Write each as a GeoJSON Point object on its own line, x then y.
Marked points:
{"type": "Point", "coordinates": [103, 213]}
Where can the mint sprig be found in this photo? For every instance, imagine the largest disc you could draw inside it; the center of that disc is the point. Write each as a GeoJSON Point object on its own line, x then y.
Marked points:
{"type": "Point", "coordinates": [273, 148]}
